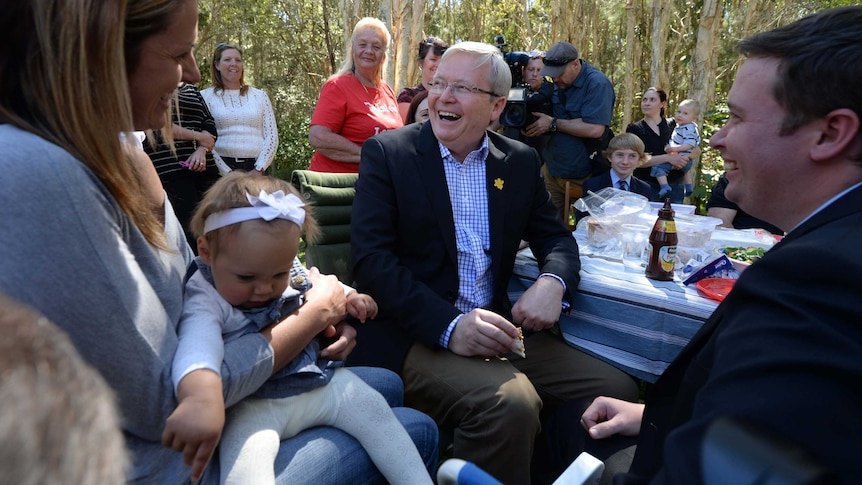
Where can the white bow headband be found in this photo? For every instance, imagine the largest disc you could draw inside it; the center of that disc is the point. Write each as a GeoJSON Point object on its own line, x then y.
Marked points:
{"type": "Point", "coordinates": [265, 206]}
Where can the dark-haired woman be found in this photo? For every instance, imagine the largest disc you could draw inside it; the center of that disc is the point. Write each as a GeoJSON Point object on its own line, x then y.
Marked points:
{"type": "Point", "coordinates": [187, 169]}
{"type": "Point", "coordinates": [430, 52]}
{"type": "Point", "coordinates": [418, 110]}
{"type": "Point", "coordinates": [655, 131]}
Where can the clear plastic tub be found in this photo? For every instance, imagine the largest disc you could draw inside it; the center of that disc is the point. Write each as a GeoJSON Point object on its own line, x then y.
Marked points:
{"type": "Point", "coordinates": [695, 231]}
{"type": "Point", "coordinates": [612, 206]}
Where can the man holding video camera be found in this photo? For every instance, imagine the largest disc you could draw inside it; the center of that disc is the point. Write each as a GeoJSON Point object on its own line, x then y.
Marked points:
{"type": "Point", "coordinates": [583, 105]}
{"type": "Point", "coordinates": [537, 98]}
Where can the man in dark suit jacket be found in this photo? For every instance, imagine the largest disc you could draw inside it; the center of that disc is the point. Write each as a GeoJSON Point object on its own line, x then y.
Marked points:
{"type": "Point", "coordinates": [783, 349]}
{"type": "Point", "coordinates": [439, 211]}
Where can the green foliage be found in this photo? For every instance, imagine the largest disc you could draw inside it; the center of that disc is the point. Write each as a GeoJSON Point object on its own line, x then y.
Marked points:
{"type": "Point", "coordinates": [292, 46]}
{"type": "Point", "coordinates": [293, 111]}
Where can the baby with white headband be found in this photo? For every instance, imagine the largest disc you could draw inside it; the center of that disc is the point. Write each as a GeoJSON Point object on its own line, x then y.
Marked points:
{"type": "Point", "coordinates": [248, 229]}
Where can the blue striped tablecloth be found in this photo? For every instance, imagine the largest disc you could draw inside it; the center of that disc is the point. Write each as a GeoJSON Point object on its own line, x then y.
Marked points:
{"type": "Point", "coordinates": [621, 316]}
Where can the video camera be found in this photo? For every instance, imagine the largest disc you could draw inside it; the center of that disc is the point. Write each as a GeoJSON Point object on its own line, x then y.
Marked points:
{"type": "Point", "coordinates": [521, 100]}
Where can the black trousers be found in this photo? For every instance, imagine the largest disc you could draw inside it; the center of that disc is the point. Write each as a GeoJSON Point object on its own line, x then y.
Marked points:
{"type": "Point", "coordinates": [563, 439]}
{"type": "Point", "coordinates": [246, 164]}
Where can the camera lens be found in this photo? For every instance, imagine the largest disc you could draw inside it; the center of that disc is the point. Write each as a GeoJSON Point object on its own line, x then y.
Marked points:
{"type": "Point", "coordinates": [514, 115]}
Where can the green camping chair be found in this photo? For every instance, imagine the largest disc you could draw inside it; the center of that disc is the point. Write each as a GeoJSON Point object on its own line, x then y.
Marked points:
{"type": "Point", "coordinates": [331, 195]}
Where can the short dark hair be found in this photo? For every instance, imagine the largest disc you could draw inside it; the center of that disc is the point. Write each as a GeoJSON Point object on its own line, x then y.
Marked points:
{"type": "Point", "coordinates": [439, 45]}
{"type": "Point", "coordinates": [820, 63]}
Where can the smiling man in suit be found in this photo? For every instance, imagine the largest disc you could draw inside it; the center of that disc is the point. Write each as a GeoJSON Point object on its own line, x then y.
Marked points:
{"type": "Point", "coordinates": [440, 209]}
{"type": "Point", "coordinates": [782, 351]}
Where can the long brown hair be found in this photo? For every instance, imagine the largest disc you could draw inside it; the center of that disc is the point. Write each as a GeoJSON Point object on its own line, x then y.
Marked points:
{"type": "Point", "coordinates": [216, 75]}
{"type": "Point", "coordinates": [65, 80]}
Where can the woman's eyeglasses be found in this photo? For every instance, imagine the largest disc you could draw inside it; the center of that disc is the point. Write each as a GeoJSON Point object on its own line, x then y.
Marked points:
{"type": "Point", "coordinates": [555, 62]}
{"type": "Point", "coordinates": [460, 90]}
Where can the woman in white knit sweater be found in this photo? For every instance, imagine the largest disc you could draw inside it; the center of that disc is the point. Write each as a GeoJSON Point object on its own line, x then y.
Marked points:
{"type": "Point", "coordinates": [247, 133]}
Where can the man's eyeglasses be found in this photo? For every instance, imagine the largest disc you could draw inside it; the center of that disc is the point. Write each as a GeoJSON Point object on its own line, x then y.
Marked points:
{"type": "Point", "coordinates": [460, 90]}
{"type": "Point", "coordinates": [534, 54]}
{"type": "Point", "coordinates": [555, 62]}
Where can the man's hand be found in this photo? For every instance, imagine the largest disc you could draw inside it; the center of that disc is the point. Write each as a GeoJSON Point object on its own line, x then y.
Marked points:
{"type": "Point", "coordinates": [345, 340]}
{"type": "Point", "coordinates": [607, 416]}
{"type": "Point", "coordinates": [540, 126]}
{"type": "Point", "coordinates": [482, 333]}
{"type": "Point", "coordinates": [540, 306]}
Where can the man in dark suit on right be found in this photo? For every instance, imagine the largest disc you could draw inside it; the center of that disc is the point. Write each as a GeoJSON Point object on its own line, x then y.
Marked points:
{"type": "Point", "coordinates": [784, 349]}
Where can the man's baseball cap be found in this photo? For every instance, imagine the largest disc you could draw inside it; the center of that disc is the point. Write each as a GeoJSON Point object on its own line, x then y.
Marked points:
{"type": "Point", "coordinates": [557, 57]}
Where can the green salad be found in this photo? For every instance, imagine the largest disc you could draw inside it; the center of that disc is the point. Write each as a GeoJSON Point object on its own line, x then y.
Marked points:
{"type": "Point", "coordinates": [747, 254]}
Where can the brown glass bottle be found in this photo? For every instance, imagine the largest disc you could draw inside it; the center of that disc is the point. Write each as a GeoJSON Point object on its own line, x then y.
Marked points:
{"type": "Point", "coordinates": [662, 245]}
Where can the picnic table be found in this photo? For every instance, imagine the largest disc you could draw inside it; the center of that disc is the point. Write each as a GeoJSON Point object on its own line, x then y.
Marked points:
{"type": "Point", "coordinates": [620, 316]}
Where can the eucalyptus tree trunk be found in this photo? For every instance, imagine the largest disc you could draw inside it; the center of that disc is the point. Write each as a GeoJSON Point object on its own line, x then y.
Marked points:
{"type": "Point", "coordinates": [659, 60]}
{"type": "Point", "coordinates": [349, 16]}
{"type": "Point", "coordinates": [566, 22]}
{"type": "Point", "coordinates": [393, 13]}
{"type": "Point", "coordinates": [703, 63]}
{"type": "Point", "coordinates": [330, 51]}
{"type": "Point", "coordinates": [529, 41]}
{"type": "Point", "coordinates": [577, 27]}
{"type": "Point", "coordinates": [629, 82]}
{"type": "Point", "coordinates": [417, 33]}
{"type": "Point", "coordinates": [593, 35]}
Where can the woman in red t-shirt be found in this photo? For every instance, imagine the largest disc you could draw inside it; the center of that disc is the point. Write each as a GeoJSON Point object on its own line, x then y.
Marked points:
{"type": "Point", "coordinates": [355, 104]}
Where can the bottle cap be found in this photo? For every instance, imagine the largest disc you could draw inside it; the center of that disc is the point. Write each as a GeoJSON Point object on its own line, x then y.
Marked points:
{"type": "Point", "coordinates": [666, 212]}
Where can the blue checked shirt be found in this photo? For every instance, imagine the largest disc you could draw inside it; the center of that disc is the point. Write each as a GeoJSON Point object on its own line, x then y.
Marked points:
{"type": "Point", "coordinates": [468, 194]}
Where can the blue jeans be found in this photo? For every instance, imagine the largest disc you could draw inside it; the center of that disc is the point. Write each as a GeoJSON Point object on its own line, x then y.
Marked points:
{"type": "Point", "coordinates": [329, 456]}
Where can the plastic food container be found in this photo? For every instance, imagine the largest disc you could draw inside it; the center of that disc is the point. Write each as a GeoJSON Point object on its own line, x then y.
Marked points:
{"type": "Point", "coordinates": [609, 209]}
{"type": "Point", "coordinates": [695, 231]}
{"type": "Point", "coordinates": [610, 205]}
